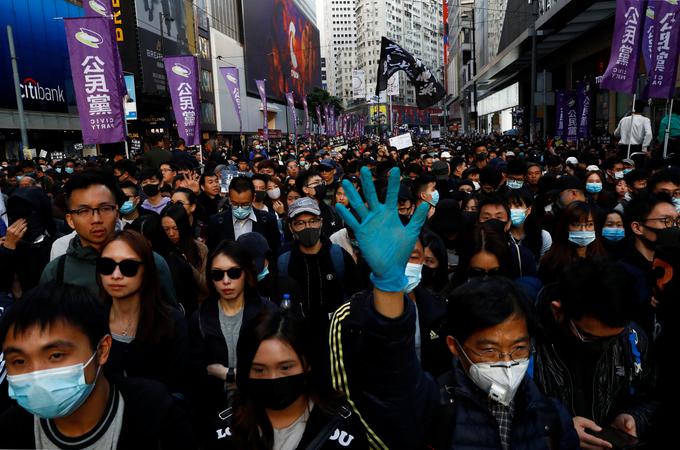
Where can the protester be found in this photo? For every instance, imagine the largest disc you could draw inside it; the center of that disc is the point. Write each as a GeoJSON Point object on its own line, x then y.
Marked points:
{"type": "Point", "coordinates": [56, 343]}
{"type": "Point", "coordinates": [489, 330]}
{"type": "Point", "coordinates": [216, 326]}
{"type": "Point", "coordinates": [149, 338]}
{"type": "Point", "coordinates": [151, 183]}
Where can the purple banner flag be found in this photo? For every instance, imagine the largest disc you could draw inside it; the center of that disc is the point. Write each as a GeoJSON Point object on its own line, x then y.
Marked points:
{"type": "Point", "coordinates": [571, 116]}
{"type": "Point", "coordinates": [584, 95]}
{"type": "Point", "coordinates": [648, 36]}
{"type": "Point", "coordinates": [263, 98]}
{"type": "Point", "coordinates": [327, 120]}
{"type": "Point", "coordinates": [96, 79]}
{"type": "Point", "coordinates": [306, 110]}
{"type": "Point", "coordinates": [622, 71]}
{"type": "Point", "coordinates": [664, 57]}
{"type": "Point", "coordinates": [182, 74]}
{"type": "Point", "coordinates": [291, 105]}
{"type": "Point", "coordinates": [318, 118]}
{"type": "Point", "coordinates": [560, 114]}
{"type": "Point", "coordinates": [333, 119]}
{"type": "Point", "coordinates": [231, 77]}
{"type": "Point", "coordinates": [97, 8]}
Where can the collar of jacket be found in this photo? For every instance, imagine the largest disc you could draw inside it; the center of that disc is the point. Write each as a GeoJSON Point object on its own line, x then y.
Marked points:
{"type": "Point", "coordinates": [76, 250]}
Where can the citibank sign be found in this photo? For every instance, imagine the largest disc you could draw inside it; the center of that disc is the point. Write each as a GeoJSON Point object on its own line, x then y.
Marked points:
{"type": "Point", "coordinates": [32, 90]}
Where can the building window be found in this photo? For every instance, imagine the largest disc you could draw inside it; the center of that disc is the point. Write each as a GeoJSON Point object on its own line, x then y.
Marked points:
{"type": "Point", "coordinates": [204, 47]}
{"type": "Point", "coordinates": [207, 112]}
{"type": "Point", "coordinates": [206, 81]}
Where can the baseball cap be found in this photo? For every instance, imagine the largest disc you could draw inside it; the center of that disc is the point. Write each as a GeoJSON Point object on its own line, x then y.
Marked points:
{"type": "Point", "coordinates": [257, 247]}
{"type": "Point", "coordinates": [509, 153]}
{"type": "Point", "coordinates": [445, 155]}
{"type": "Point", "coordinates": [327, 164]}
{"type": "Point", "coordinates": [572, 160]}
{"type": "Point", "coordinates": [440, 169]}
{"type": "Point", "coordinates": [592, 168]}
{"type": "Point", "coordinates": [568, 182]}
{"type": "Point", "coordinates": [304, 205]}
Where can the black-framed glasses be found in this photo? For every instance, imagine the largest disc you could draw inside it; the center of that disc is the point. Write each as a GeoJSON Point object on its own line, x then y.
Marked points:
{"type": "Point", "coordinates": [86, 211]}
{"type": "Point", "coordinates": [311, 223]}
{"type": "Point", "coordinates": [668, 222]}
{"type": "Point", "coordinates": [475, 272]}
{"type": "Point", "coordinates": [234, 273]}
{"type": "Point", "coordinates": [128, 267]}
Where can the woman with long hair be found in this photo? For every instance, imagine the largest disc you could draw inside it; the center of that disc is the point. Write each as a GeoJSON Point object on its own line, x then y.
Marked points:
{"type": "Point", "coordinates": [177, 228]}
{"type": "Point", "coordinates": [150, 338]}
{"type": "Point", "coordinates": [216, 325]}
{"type": "Point", "coordinates": [525, 229]}
{"type": "Point", "coordinates": [577, 236]}
{"type": "Point", "coordinates": [282, 402]}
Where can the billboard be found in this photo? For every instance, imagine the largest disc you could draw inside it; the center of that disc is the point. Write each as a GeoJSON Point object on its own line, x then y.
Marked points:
{"type": "Point", "coordinates": [42, 55]}
{"type": "Point", "coordinates": [174, 20]}
{"type": "Point", "coordinates": [282, 46]}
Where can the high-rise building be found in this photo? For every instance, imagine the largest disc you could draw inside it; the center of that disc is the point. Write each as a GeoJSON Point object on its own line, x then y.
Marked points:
{"type": "Point", "coordinates": [339, 47]}
{"type": "Point", "coordinates": [416, 25]}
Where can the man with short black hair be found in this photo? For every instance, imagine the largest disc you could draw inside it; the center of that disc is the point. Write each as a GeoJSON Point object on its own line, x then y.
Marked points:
{"type": "Point", "coordinates": [56, 342]}
{"type": "Point", "coordinates": [239, 217]}
{"type": "Point", "coordinates": [591, 355]}
{"type": "Point", "coordinates": [209, 198]}
{"type": "Point", "coordinates": [157, 154]}
{"type": "Point", "coordinates": [92, 201]}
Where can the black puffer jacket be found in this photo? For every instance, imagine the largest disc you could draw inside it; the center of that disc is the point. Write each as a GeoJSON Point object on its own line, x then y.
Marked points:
{"type": "Point", "coordinates": [622, 384]}
{"type": "Point", "coordinates": [32, 254]}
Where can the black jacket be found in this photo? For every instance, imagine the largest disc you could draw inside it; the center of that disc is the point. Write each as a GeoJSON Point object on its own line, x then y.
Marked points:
{"type": "Point", "coordinates": [347, 432]}
{"type": "Point", "coordinates": [166, 361]}
{"type": "Point", "coordinates": [208, 346]}
{"type": "Point", "coordinates": [221, 227]}
{"type": "Point", "coordinates": [435, 356]}
{"type": "Point", "coordinates": [151, 420]}
{"type": "Point", "coordinates": [617, 386]}
{"type": "Point", "coordinates": [374, 363]}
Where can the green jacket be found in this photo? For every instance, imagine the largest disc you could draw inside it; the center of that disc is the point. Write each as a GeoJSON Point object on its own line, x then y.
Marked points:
{"type": "Point", "coordinates": [675, 127]}
{"type": "Point", "coordinates": [80, 269]}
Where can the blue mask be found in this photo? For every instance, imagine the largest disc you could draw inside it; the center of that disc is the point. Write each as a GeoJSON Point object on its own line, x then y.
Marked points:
{"type": "Point", "coordinates": [53, 392]}
{"type": "Point", "coordinates": [58, 169]}
{"type": "Point", "coordinates": [613, 233]}
{"type": "Point", "coordinates": [413, 273]}
{"type": "Point", "coordinates": [242, 212]}
{"type": "Point", "coordinates": [518, 216]}
{"type": "Point", "coordinates": [593, 188]}
{"type": "Point", "coordinates": [127, 207]}
{"type": "Point", "coordinates": [514, 184]}
{"type": "Point", "coordinates": [68, 170]}
{"type": "Point", "coordinates": [435, 198]}
{"type": "Point", "coordinates": [627, 171]}
{"type": "Point", "coordinates": [264, 273]}
{"type": "Point", "coordinates": [582, 238]}
{"type": "Point", "coordinates": [676, 203]}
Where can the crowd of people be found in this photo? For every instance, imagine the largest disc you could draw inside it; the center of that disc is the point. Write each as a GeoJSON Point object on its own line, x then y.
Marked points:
{"type": "Point", "coordinates": [466, 293]}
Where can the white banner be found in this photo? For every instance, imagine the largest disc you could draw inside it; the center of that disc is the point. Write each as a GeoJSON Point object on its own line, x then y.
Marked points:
{"type": "Point", "coordinates": [401, 141]}
{"type": "Point", "coordinates": [358, 84]}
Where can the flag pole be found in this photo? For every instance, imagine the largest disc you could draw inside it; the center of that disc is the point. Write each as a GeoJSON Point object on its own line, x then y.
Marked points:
{"type": "Point", "coordinates": [668, 130]}
{"type": "Point", "coordinates": [630, 133]}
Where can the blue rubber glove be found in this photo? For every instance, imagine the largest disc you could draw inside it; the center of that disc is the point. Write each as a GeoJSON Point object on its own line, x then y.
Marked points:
{"type": "Point", "coordinates": [385, 243]}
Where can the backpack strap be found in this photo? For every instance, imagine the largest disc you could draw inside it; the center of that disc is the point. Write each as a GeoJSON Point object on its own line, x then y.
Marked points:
{"type": "Point", "coordinates": [61, 265]}
{"type": "Point", "coordinates": [338, 260]}
{"type": "Point", "coordinates": [343, 413]}
{"type": "Point", "coordinates": [283, 262]}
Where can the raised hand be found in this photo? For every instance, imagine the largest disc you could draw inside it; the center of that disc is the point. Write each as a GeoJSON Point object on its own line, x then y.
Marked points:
{"type": "Point", "coordinates": [385, 243]}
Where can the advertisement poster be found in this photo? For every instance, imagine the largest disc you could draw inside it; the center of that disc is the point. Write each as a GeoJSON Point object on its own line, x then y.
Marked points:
{"type": "Point", "coordinates": [131, 101]}
{"type": "Point", "coordinates": [40, 42]}
{"type": "Point", "coordinates": [288, 55]}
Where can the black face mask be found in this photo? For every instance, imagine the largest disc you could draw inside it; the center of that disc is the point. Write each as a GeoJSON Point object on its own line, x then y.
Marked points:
{"type": "Point", "coordinates": [277, 393]}
{"type": "Point", "coordinates": [470, 216]}
{"type": "Point", "coordinates": [308, 237]}
{"type": "Point", "coordinates": [320, 192]}
{"type": "Point", "coordinates": [259, 196]}
{"type": "Point", "coordinates": [150, 190]}
{"type": "Point", "coordinates": [667, 240]}
{"type": "Point", "coordinates": [496, 225]}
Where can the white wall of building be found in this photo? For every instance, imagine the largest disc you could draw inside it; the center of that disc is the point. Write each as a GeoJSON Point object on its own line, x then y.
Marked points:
{"type": "Point", "coordinates": [338, 46]}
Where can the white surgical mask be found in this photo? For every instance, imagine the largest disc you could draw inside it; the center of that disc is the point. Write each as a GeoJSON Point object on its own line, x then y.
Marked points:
{"type": "Point", "coordinates": [274, 193]}
{"type": "Point", "coordinates": [476, 185]}
{"type": "Point", "coordinates": [413, 272]}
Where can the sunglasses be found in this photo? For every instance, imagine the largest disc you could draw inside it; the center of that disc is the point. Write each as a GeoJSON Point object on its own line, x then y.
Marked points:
{"type": "Point", "coordinates": [128, 267]}
{"type": "Point", "coordinates": [234, 274]}
{"type": "Point", "coordinates": [474, 272]}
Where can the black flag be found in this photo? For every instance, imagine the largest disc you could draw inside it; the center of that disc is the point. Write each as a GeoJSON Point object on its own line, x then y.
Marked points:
{"type": "Point", "coordinates": [394, 58]}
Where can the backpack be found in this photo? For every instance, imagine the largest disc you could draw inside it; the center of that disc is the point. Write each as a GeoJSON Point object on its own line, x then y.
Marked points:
{"type": "Point", "coordinates": [337, 259]}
